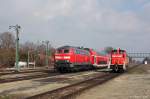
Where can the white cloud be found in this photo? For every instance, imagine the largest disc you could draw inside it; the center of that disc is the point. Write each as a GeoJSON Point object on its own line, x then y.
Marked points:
{"type": "Point", "coordinates": [77, 21]}
{"type": "Point", "coordinates": [53, 9]}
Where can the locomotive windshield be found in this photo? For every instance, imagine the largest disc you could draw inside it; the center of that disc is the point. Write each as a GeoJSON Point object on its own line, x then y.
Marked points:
{"type": "Point", "coordinates": [60, 51]}
{"type": "Point", "coordinates": [66, 50]}
{"type": "Point", "coordinates": [118, 51]}
{"type": "Point", "coordinates": [121, 51]}
{"type": "Point", "coordinates": [114, 51]}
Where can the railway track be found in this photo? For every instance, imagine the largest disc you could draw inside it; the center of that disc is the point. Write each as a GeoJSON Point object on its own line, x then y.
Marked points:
{"type": "Point", "coordinates": [134, 66]}
{"type": "Point", "coordinates": [26, 71]}
{"type": "Point", "coordinates": [32, 76]}
{"type": "Point", "coordinates": [21, 78]}
{"type": "Point", "coordinates": [70, 91]}
{"type": "Point", "coordinates": [7, 80]}
{"type": "Point", "coordinates": [13, 70]}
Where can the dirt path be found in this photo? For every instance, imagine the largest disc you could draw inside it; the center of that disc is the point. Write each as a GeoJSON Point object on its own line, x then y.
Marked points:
{"type": "Point", "coordinates": [35, 86]}
{"type": "Point", "coordinates": [133, 85]}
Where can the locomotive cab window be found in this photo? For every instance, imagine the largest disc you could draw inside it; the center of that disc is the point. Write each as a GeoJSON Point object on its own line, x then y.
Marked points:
{"type": "Point", "coordinates": [66, 50]}
{"type": "Point", "coordinates": [59, 51]}
{"type": "Point", "coordinates": [114, 51]}
{"type": "Point", "coordinates": [121, 51]}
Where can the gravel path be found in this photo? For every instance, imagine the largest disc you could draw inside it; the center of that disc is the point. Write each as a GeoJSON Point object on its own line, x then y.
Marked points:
{"type": "Point", "coordinates": [135, 84]}
{"type": "Point", "coordinates": [36, 86]}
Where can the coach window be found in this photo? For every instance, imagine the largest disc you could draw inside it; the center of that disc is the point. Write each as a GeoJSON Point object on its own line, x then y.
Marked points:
{"type": "Point", "coordinates": [87, 53]}
{"type": "Point", "coordinates": [84, 53]}
{"type": "Point", "coordinates": [81, 52]}
{"type": "Point", "coordinates": [78, 51]}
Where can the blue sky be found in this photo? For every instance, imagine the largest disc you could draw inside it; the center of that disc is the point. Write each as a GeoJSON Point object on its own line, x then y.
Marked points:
{"type": "Point", "coordinates": [89, 23]}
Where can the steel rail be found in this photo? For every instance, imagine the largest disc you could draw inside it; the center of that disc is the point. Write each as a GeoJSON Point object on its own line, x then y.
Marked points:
{"type": "Point", "coordinates": [23, 72]}
{"type": "Point", "coordinates": [8, 80]}
{"type": "Point", "coordinates": [70, 91]}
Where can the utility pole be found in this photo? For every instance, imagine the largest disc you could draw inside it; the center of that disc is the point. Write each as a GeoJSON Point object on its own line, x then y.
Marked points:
{"type": "Point", "coordinates": [16, 27]}
{"type": "Point", "coordinates": [35, 57]}
{"type": "Point", "coordinates": [47, 47]}
{"type": "Point", "coordinates": [28, 58]}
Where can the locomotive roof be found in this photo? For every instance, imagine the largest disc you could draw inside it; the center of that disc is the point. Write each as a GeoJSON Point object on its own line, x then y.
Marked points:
{"type": "Point", "coordinates": [63, 47]}
{"type": "Point", "coordinates": [87, 49]}
{"type": "Point", "coordinates": [67, 47]}
{"type": "Point", "coordinates": [119, 50]}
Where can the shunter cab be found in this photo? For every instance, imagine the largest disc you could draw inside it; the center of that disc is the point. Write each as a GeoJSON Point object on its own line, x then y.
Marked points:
{"type": "Point", "coordinates": [119, 60]}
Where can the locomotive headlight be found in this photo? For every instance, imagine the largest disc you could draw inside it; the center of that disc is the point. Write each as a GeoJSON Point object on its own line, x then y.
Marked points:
{"type": "Point", "coordinates": [56, 60]}
{"type": "Point", "coordinates": [67, 60]}
{"type": "Point", "coordinates": [117, 56]}
{"type": "Point", "coordinates": [66, 57]}
{"type": "Point", "coordinates": [58, 57]}
{"type": "Point", "coordinates": [71, 65]}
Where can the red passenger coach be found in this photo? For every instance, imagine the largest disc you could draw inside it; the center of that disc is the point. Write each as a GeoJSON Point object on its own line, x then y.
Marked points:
{"type": "Point", "coordinates": [97, 59]}
{"type": "Point", "coordinates": [119, 60]}
{"type": "Point", "coordinates": [68, 58]}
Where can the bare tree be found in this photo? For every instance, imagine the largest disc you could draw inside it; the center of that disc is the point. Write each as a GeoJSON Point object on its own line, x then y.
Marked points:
{"type": "Point", "coordinates": [7, 49]}
{"type": "Point", "coordinates": [28, 46]}
{"type": "Point", "coordinates": [7, 40]}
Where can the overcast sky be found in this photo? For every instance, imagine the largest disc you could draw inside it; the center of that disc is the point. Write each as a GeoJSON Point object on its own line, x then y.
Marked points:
{"type": "Point", "coordinates": [89, 23]}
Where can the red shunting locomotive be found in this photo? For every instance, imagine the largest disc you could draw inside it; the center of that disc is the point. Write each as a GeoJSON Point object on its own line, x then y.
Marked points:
{"type": "Point", "coordinates": [119, 60]}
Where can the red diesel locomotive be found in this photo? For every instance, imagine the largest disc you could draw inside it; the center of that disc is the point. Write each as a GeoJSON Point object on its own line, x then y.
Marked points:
{"type": "Point", "coordinates": [68, 58]}
{"type": "Point", "coordinates": [119, 60]}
